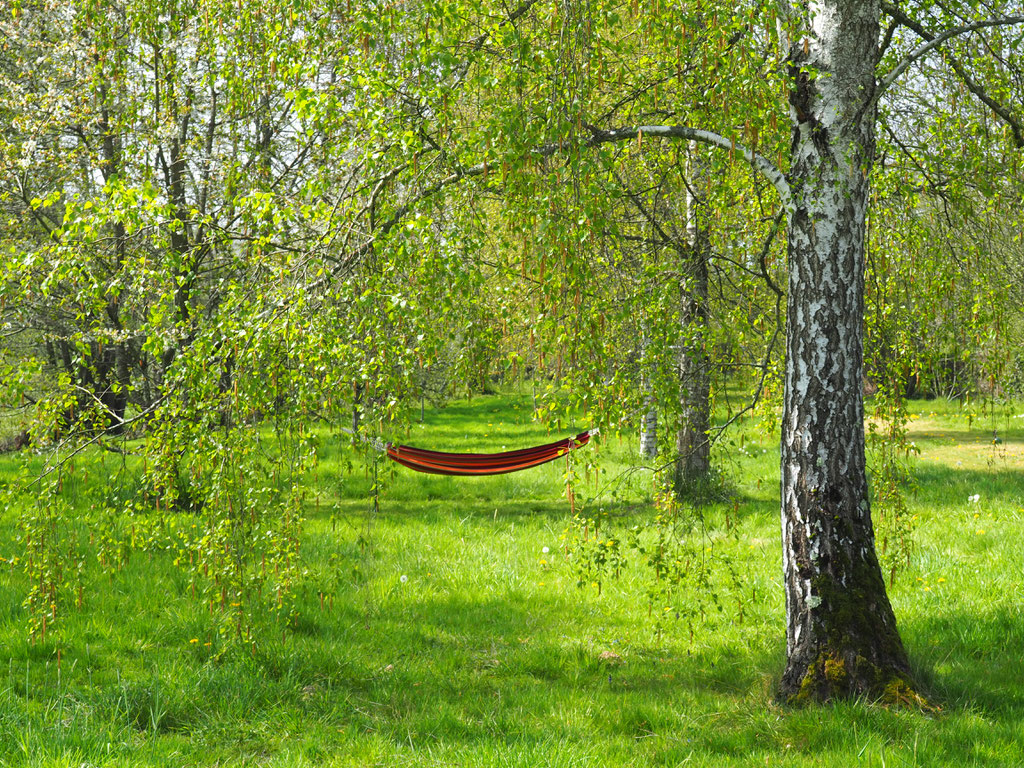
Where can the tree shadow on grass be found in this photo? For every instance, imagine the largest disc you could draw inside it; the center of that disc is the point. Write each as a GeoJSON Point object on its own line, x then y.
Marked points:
{"type": "Point", "coordinates": [970, 665]}
{"type": "Point", "coordinates": [948, 487]}
{"type": "Point", "coordinates": [972, 661]}
{"type": "Point", "coordinates": [444, 511]}
{"type": "Point", "coordinates": [488, 667]}
{"type": "Point", "coordinates": [458, 670]}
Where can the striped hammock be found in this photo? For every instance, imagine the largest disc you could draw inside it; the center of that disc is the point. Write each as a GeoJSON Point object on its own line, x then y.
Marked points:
{"type": "Point", "coordinates": [440, 463]}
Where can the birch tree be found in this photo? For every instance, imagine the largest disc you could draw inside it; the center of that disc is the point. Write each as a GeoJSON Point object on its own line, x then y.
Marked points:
{"type": "Point", "coordinates": [834, 63]}
{"type": "Point", "coordinates": [841, 632]}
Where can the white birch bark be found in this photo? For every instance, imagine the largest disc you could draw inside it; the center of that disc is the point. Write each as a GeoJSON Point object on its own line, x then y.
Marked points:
{"type": "Point", "coordinates": [841, 636]}
{"type": "Point", "coordinates": [649, 424]}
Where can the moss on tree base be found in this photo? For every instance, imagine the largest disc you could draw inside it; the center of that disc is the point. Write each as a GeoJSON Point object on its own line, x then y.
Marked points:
{"type": "Point", "coordinates": [836, 677]}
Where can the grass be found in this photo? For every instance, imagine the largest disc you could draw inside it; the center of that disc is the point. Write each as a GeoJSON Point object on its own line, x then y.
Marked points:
{"type": "Point", "coordinates": [486, 656]}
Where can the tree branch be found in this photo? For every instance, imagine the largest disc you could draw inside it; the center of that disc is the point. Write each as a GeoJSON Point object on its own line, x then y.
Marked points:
{"type": "Point", "coordinates": [931, 42]}
{"type": "Point", "coordinates": [762, 257]}
{"type": "Point", "coordinates": [757, 161]}
{"type": "Point", "coordinates": [597, 138]}
{"type": "Point", "coordinates": [100, 434]}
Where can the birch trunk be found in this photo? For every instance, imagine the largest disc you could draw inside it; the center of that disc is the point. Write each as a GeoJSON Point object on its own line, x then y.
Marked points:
{"type": "Point", "coordinates": [692, 444]}
{"type": "Point", "coordinates": [841, 636]}
{"type": "Point", "coordinates": [649, 424]}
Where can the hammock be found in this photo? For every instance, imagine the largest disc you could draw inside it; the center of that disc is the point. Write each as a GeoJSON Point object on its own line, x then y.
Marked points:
{"type": "Point", "coordinates": [440, 463]}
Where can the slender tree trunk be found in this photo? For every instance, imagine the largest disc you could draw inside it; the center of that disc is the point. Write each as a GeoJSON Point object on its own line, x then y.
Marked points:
{"type": "Point", "coordinates": [114, 393]}
{"type": "Point", "coordinates": [649, 425]}
{"type": "Point", "coordinates": [841, 636]}
{"type": "Point", "coordinates": [692, 444]}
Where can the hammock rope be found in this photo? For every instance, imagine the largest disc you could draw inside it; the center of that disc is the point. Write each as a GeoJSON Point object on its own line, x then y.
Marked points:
{"type": "Point", "coordinates": [462, 464]}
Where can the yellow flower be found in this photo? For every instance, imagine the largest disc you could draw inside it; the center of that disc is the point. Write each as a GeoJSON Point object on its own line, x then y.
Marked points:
{"type": "Point", "coordinates": [941, 579]}
{"type": "Point", "coordinates": [194, 640]}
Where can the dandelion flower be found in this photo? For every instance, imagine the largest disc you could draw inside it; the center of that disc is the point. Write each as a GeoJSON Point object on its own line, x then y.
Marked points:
{"type": "Point", "coordinates": [403, 578]}
{"type": "Point", "coordinates": [545, 550]}
{"type": "Point", "coordinates": [975, 498]}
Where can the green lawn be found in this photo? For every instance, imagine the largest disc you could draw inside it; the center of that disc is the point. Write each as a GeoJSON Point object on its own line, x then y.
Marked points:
{"type": "Point", "coordinates": [446, 636]}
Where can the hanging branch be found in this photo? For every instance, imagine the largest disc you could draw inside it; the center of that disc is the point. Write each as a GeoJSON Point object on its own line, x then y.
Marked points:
{"type": "Point", "coordinates": [597, 138]}
{"type": "Point", "coordinates": [932, 42]}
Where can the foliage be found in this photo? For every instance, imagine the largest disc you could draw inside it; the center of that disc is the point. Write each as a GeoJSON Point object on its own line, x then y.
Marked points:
{"type": "Point", "coordinates": [682, 573]}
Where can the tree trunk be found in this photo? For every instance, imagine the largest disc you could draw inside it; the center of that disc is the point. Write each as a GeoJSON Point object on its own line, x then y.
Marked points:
{"type": "Point", "coordinates": [693, 447]}
{"type": "Point", "coordinates": [649, 424]}
{"type": "Point", "coordinates": [116, 379]}
{"type": "Point", "coordinates": [841, 636]}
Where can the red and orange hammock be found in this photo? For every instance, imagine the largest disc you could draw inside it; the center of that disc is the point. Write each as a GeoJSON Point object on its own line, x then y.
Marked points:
{"type": "Point", "coordinates": [440, 463]}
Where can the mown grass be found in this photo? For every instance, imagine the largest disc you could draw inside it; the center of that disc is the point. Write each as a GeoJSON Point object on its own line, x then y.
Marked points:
{"type": "Point", "coordinates": [489, 654]}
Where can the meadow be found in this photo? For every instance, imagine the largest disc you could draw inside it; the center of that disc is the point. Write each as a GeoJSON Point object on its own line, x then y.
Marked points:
{"type": "Point", "coordinates": [448, 627]}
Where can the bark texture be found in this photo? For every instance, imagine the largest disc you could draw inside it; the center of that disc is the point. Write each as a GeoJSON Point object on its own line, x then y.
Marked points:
{"type": "Point", "coordinates": [841, 636]}
{"type": "Point", "coordinates": [692, 444]}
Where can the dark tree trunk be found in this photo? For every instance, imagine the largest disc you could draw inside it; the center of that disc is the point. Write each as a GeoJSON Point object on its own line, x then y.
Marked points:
{"type": "Point", "coordinates": [841, 636]}
{"type": "Point", "coordinates": [115, 378]}
{"type": "Point", "coordinates": [692, 444]}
